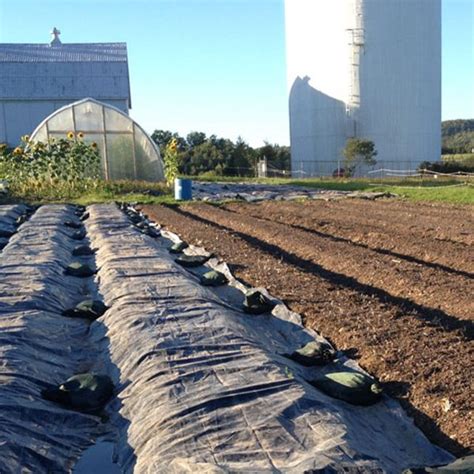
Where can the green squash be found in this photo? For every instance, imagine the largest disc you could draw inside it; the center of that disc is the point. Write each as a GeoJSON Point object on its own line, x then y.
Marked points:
{"type": "Point", "coordinates": [85, 216]}
{"type": "Point", "coordinates": [151, 232]}
{"type": "Point", "coordinates": [73, 224]}
{"type": "Point", "coordinates": [21, 219]}
{"type": "Point", "coordinates": [192, 261]}
{"type": "Point", "coordinates": [79, 270]}
{"type": "Point", "coordinates": [257, 303]}
{"type": "Point", "coordinates": [352, 387]}
{"type": "Point", "coordinates": [82, 250]}
{"type": "Point", "coordinates": [463, 465]}
{"type": "Point", "coordinates": [178, 247]}
{"type": "Point", "coordinates": [87, 309]}
{"type": "Point", "coordinates": [83, 392]}
{"type": "Point", "coordinates": [78, 235]}
{"type": "Point", "coordinates": [313, 353]}
{"type": "Point", "coordinates": [213, 278]}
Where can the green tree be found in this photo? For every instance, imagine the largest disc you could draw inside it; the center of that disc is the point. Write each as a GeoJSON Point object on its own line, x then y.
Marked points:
{"type": "Point", "coordinates": [458, 136]}
{"type": "Point", "coordinates": [206, 155]}
{"type": "Point", "coordinates": [278, 157]}
{"type": "Point", "coordinates": [242, 160]}
{"type": "Point", "coordinates": [197, 154]}
{"type": "Point", "coordinates": [195, 139]}
{"type": "Point", "coordinates": [163, 137]}
{"type": "Point", "coordinates": [204, 158]}
{"type": "Point", "coordinates": [357, 152]}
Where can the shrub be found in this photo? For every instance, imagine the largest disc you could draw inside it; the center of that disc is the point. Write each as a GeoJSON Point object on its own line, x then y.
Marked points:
{"type": "Point", "coordinates": [447, 166]}
{"type": "Point", "coordinates": [358, 151]}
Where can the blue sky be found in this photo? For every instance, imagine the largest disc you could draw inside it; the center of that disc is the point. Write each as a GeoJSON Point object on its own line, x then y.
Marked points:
{"type": "Point", "coordinates": [216, 66]}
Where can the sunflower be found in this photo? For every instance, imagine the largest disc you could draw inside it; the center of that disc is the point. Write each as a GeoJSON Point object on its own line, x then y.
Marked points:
{"type": "Point", "coordinates": [173, 145]}
{"type": "Point", "coordinates": [18, 151]}
{"type": "Point", "coordinates": [80, 135]}
{"type": "Point", "coordinates": [25, 138]}
{"type": "Point", "coordinates": [70, 135]}
{"type": "Point", "coordinates": [94, 145]}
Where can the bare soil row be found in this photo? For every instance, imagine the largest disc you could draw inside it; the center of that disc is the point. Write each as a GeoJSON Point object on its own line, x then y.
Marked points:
{"type": "Point", "coordinates": [356, 272]}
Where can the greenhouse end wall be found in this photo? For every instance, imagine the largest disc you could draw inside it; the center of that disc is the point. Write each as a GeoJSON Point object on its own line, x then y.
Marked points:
{"type": "Point", "coordinates": [127, 152]}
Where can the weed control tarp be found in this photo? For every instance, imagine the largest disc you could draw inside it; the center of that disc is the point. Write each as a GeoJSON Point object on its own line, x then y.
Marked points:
{"type": "Point", "coordinates": [253, 192]}
{"type": "Point", "coordinates": [8, 216]}
{"type": "Point", "coordinates": [9, 213]}
{"type": "Point", "coordinates": [38, 347]}
{"type": "Point", "coordinates": [203, 387]}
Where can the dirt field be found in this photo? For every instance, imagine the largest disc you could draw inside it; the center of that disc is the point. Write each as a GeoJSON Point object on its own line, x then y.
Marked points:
{"type": "Point", "coordinates": [390, 282]}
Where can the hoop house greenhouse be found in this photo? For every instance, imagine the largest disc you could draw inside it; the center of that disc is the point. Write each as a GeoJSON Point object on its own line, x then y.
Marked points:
{"type": "Point", "coordinates": [126, 150]}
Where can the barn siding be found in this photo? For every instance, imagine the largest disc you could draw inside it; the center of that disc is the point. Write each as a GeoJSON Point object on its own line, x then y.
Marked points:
{"type": "Point", "coordinates": [21, 117]}
{"type": "Point", "coordinates": [62, 80]}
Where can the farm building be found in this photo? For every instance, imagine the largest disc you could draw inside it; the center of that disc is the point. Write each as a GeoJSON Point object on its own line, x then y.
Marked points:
{"type": "Point", "coordinates": [37, 79]}
{"type": "Point", "coordinates": [367, 69]}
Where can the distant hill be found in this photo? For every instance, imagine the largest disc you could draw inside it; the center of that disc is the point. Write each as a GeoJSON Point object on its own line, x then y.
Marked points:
{"type": "Point", "coordinates": [457, 136]}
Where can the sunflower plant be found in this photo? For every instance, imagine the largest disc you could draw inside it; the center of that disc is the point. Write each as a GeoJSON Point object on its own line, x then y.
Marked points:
{"type": "Point", "coordinates": [171, 161]}
{"type": "Point", "coordinates": [58, 168]}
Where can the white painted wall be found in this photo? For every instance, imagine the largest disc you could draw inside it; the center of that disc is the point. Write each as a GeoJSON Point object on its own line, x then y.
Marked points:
{"type": "Point", "coordinates": [399, 80]}
{"type": "Point", "coordinates": [318, 78]}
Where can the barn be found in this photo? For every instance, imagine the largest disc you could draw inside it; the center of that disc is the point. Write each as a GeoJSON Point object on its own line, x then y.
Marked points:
{"type": "Point", "coordinates": [37, 79]}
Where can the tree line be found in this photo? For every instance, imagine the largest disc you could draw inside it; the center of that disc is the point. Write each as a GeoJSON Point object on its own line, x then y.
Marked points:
{"type": "Point", "coordinates": [458, 136]}
{"type": "Point", "coordinates": [200, 154]}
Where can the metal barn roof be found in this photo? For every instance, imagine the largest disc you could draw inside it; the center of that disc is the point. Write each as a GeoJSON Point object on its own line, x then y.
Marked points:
{"type": "Point", "coordinates": [73, 52]}
{"type": "Point", "coordinates": [64, 71]}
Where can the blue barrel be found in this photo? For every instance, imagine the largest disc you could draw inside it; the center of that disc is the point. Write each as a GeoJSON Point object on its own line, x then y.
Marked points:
{"type": "Point", "coordinates": [183, 189]}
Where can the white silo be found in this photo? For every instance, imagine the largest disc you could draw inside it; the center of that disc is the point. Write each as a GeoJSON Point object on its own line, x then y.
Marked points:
{"type": "Point", "coordinates": [363, 68]}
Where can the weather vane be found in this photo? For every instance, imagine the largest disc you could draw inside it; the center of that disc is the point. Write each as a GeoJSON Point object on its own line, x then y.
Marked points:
{"type": "Point", "coordinates": [55, 33]}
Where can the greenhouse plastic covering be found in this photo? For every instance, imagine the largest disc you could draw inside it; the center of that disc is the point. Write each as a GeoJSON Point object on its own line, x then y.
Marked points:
{"type": "Point", "coordinates": [126, 150]}
{"type": "Point", "coordinates": [200, 386]}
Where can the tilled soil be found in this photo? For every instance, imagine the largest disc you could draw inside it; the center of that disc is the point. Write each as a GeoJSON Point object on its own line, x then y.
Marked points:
{"type": "Point", "coordinates": [389, 282]}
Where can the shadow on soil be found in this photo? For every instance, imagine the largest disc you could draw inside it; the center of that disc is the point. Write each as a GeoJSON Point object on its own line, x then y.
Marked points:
{"type": "Point", "coordinates": [433, 317]}
{"type": "Point", "coordinates": [334, 238]}
{"type": "Point", "coordinates": [398, 390]}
